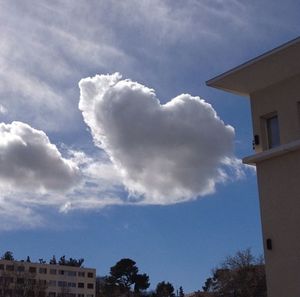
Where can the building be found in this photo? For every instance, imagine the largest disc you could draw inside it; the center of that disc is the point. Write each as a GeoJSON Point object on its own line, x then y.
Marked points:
{"type": "Point", "coordinates": [199, 294]}
{"type": "Point", "coordinates": [272, 81]}
{"type": "Point", "coordinates": [48, 280]}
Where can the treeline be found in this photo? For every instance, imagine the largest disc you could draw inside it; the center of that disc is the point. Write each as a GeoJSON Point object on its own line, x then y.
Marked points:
{"type": "Point", "coordinates": [125, 280]}
{"type": "Point", "coordinates": [8, 255]}
{"type": "Point", "coordinates": [240, 275]}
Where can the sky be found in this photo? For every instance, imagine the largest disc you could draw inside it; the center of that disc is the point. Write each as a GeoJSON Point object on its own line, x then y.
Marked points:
{"type": "Point", "coordinates": [111, 144]}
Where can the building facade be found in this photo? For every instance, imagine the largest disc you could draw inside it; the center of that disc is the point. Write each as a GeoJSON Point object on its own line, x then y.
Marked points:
{"type": "Point", "coordinates": [272, 81]}
{"type": "Point", "coordinates": [18, 278]}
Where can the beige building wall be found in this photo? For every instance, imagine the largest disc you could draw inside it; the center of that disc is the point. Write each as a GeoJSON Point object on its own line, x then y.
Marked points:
{"type": "Point", "coordinates": [282, 98]}
{"type": "Point", "coordinates": [75, 281]}
{"type": "Point", "coordinates": [279, 190]}
{"type": "Point", "coordinates": [278, 175]}
{"type": "Point", "coordinates": [272, 81]}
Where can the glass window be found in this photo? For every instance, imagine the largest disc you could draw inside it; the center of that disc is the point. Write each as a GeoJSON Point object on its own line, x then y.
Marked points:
{"type": "Point", "coordinates": [81, 273]}
{"type": "Point", "coordinates": [72, 285]}
{"type": "Point", "coordinates": [10, 267]}
{"type": "Point", "coordinates": [62, 284]}
{"type": "Point", "coordinates": [273, 131]}
{"type": "Point", "coordinates": [89, 295]}
{"type": "Point", "coordinates": [80, 295]}
{"type": "Point", "coordinates": [71, 273]}
{"type": "Point", "coordinates": [20, 280]}
{"type": "Point", "coordinates": [62, 272]}
{"type": "Point", "coordinates": [21, 268]}
{"type": "Point", "coordinates": [80, 285]}
{"type": "Point", "coordinates": [1, 266]}
{"type": "Point", "coordinates": [42, 282]}
{"type": "Point", "coordinates": [90, 286]}
{"type": "Point", "coordinates": [52, 271]}
{"type": "Point", "coordinates": [90, 274]}
{"type": "Point", "coordinates": [52, 294]}
{"type": "Point", "coordinates": [43, 270]}
{"type": "Point", "coordinates": [52, 283]}
{"type": "Point", "coordinates": [32, 269]}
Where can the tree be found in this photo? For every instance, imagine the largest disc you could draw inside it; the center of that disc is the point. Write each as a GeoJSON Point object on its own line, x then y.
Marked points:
{"type": "Point", "coordinates": [125, 279]}
{"type": "Point", "coordinates": [70, 262]}
{"type": "Point", "coordinates": [164, 289]}
{"type": "Point", "coordinates": [181, 293]}
{"type": "Point", "coordinates": [241, 275]}
{"type": "Point", "coordinates": [53, 260]}
{"type": "Point", "coordinates": [141, 283]}
{"type": "Point", "coordinates": [42, 261]}
{"type": "Point", "coordinates": [8, 255]}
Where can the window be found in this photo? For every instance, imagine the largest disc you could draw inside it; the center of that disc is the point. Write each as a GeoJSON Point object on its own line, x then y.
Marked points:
{"type": "Point", "coordinates": [20, 280]}
{"type": "Point", "coordinates": [71, 273]}
{"type": "Point", "coordinates": [43, 270]}
{"type": "Point", "coordinates": [19, 292]}
{"type": "Point", "coordinates": [90, 274]}
{"type": "Point", "coordinates": [81, 273]}
{"type": "Point", "coordinates": [32, 281]}
{"type": "Point", "coordinates": [272, 126]}
{"type": "Point", "coordinates": [62, 272]}
{"type": "Point", "coordinates": [42, 282]}
{"type": "Point", "coordinates": [90, 286]}
{"type": "Point", "coordinates": [6, 279]}
{"type": "Point", "coordinates": [89, 295]}
{"type": "Point", "coordinates": [32, 269]}
{"type": "Point", "coordinates": [21, 268]}
{"type": "Point", "coordinates": [80, 295]}
{"type": "Point", "coordinates": [52, 283]}
{"type": "Point", "coordinates": [1, 266]}
{"type": "Point", "coordinates": [10, 267]}
{"type": "Point", "coordinates": [51, 294]}
{"type": "Point", "coordinates": [80, 285]}
{"type": "Point", "coordinates": [62, 284]}
{"type": "Point", "coordinates": [72, 285]}
{"type": "Point", "coordinates": [52, 271]}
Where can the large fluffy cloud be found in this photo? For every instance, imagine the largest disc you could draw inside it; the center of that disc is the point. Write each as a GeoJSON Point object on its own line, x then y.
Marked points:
{"type": "Point", "coordinates": [164, 153]}
{"type": "Point", "coordinates": [28, 161]}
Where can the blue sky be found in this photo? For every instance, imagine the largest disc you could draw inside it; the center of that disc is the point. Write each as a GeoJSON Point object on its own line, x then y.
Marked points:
{"type": "Point", "coordinates": [123, 174]}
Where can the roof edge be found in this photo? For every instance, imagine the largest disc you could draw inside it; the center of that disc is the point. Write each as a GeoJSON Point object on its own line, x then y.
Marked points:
{"type": "Point", "coordinates": [211, 82]}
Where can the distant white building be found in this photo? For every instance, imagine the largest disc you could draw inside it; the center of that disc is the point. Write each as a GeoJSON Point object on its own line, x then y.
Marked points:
{"type": "Point", "coordinates": [39, 280]}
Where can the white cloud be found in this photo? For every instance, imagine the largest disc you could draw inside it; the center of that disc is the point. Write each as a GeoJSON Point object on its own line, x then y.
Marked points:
{"type": "Point", "coordinates": [43, 56]}
{"type": "Point", "coordinates": [3, 110]}
{"type": "Point", "coordinates": [15, 214]}
{"type": "Point", "coordinates": [28, 161]}
{"type": "Point", "coordinates": [164, 153]}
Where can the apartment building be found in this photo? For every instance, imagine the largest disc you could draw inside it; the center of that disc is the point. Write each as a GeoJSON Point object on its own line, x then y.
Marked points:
{"type": "Point", "coordinates": [45, 280]}
{"type": "Point", "coordinates": [272, 81]}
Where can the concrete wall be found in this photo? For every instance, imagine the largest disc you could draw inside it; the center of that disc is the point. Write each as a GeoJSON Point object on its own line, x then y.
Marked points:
{"type": "Point", "coordinates": [62, 275]}
{"type": "Point", "coordinates": [279, 186]}
{"type": "Point", "coordinates": [284, 99]}
{"type": "Point", "coordinates": [279, 191]}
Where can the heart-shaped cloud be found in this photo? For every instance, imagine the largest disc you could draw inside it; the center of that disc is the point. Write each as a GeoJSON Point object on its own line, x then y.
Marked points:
{"type": "Point", "coordinates": [165, 153]}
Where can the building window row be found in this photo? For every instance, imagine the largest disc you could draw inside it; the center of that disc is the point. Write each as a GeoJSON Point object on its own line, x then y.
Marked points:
{"type": "Point", "coordinates": [43, 270]}
{"type": "Point", "coordinates": [51, 283]}
{"type": "Point", "coordinates": [53, 294]}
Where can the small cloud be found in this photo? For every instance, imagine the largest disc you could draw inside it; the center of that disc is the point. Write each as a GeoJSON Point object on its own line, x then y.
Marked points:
{"type": "Point", "coordinates": [3, 110]}
{"type": "Point", "coordinates": [29, 162]}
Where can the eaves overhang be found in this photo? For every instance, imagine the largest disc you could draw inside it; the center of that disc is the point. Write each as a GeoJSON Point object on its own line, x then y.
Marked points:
{"type": "Point", "coordinates": [265, 70]}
